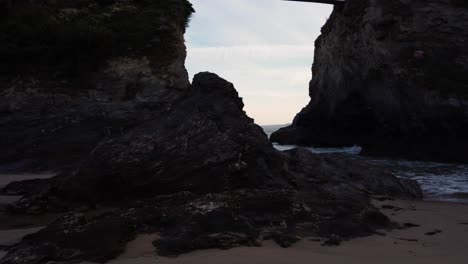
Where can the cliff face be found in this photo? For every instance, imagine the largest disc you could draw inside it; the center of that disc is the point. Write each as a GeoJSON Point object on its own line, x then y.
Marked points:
{"type": "Point", "coordinates": [74, 72]}
{"type": "Point", "coordinates": [98, 91]}
{"type": "Point", "coordinates": [390, 75]}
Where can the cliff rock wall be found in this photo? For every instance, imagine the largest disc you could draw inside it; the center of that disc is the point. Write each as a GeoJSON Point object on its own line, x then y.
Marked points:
{"type": "Point", "coordinates": [74, 72]}
{"type": "Point", "coordinates": [101, 94]}
{"type": "Point", "coordinates": [390, 75]}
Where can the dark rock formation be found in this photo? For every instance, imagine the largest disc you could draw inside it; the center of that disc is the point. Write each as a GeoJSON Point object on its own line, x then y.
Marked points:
{"type": "Point", "coordinates": [26, 187]}
{"type": "Point", "coordinates": [390, 75]}
{"type": "Point", "coordinates": [204, 143]}
{"type": "Point", "coordinates": [75, 72]}
{"type": "Point", "coordinates": [131, 135]}
{"type": "Point", "coordinates": [329, 198]}
{"type": "Point", "coordinates": [203, 176]}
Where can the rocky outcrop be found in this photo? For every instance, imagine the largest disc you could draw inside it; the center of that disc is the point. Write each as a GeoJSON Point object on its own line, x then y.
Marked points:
{"type": "Point", "coordinates": [389, 75]}
{"type": "Point", "coordinates": [143, 151]}
{"type": "Point", "coordinates": [204, 144]}
{"type": "Point", "coordinates": [202, 175]}
{"type": "Point", "coordinates": [75, 72]}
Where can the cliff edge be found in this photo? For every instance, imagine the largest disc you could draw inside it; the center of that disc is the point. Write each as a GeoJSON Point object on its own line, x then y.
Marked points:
{"type": "Point", "coordinates": [98, 91]}
{"type": "Point", "coordinates": [75, 72]}
{"type": "Point", "coordinates": [391, 76]}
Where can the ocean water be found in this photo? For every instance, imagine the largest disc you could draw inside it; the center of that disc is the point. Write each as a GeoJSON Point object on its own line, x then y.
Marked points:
{"type": "Point", "coordinates": [354, 150]}
{"type": "Point", "coordinates": [439, 181]}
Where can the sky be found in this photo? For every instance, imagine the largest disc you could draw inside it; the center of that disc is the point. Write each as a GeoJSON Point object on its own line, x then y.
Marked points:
{"type": "Point", "coordinates": [264, 47]}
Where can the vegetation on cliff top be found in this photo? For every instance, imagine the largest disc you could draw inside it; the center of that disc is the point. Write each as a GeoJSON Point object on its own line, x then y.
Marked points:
{"type": "Point", "coordinates": [66, 37]}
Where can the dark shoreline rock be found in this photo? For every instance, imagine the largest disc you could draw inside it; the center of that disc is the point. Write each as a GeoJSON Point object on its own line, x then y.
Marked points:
{"type": "Point", "coordinates": [204, 144]}
{"type": "Point", "coordinates": [390, 76]}
{"type": "Point", "coordinates": [234, 200]}
{"type": "Point", "coordinates": [160, 155]}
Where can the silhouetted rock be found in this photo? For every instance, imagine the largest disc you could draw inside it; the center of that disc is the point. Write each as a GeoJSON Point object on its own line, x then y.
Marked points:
{"type": "Point", "coordinates": [205, 143]}
{"type": "Point", "coordinates": [75, 72]}
{"type": "Point", "coordinates": [73, 237]}
{"type": "Point", "coordinates": [391, 76]}
{"type": "Point", "coordinates": [333, 170]}
{"type": "Point", "coordinates": [25, 187]}
{"type": "Point", "coordinates": [203, 175]}
{"type": "Point", "coordinates": [159, 154]}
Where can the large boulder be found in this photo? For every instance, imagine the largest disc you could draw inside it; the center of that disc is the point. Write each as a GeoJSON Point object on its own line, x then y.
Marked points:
{"type": "Point", "coordinates": [389, 75]}
{"type": "Point", "coordinates": [202, 175]}
{"type": "Point", "coordinates": [205, 143]}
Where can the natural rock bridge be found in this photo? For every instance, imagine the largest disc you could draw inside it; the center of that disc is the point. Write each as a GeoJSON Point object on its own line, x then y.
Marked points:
{"type": "Point", "coordinates": [332, 2]}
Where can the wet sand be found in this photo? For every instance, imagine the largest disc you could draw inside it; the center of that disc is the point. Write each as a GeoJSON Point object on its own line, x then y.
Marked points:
{"type": "Point", "coordinates": [440, 238]}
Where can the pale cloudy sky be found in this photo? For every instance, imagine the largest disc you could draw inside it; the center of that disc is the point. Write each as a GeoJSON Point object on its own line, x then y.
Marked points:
{"type": "Point", "coordinates": [264, 47]}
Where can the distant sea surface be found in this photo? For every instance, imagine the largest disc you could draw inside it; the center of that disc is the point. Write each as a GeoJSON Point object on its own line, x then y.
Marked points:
{"type": "Point", "coordinates": [439, 181]}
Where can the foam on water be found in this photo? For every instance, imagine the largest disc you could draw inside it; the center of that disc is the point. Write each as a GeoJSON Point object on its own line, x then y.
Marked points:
{"type": "Point", "coordinates": [439, 181]}
{"type": "Point", "coordinates": [354, 150]}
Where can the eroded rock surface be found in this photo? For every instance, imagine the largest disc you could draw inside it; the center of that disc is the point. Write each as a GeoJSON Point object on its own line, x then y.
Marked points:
{"type": "Point", "coordinates": [391, 76]}
{"type": "Point", "coordinates": [143, 151]}
{"type": "Point", "coordinates": [75, 72]}
{"type": "Point", "coordinates": [204, 144]}
{"type": "Point", "coordinates": [203, 175]}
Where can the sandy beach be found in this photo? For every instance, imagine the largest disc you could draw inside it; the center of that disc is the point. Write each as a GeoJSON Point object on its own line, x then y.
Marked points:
{"type": "Point", "coordinates": [440, 237]}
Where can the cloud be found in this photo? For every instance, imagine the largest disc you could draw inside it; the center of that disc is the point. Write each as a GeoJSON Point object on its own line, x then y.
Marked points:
{"type": "Point", "coordinates": [265, 47]}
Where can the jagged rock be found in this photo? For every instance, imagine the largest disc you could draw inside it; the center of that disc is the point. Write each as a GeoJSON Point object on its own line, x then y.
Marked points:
{"type": "Point", "coordinates": [203, 175]}
{"type": "Point", "coordinates": [204, 144]}
{"type": "Point", "coordinates": [411, 187]}
{"type": "Point", "coordinates": [338, 188]}
{"type": "Point", "coordinates": [335, 169]}
{"type": "Point", "coordinates": [161, 155]}
{"type": "Point", "coordinates": [26, 187]}
{"type": "Point", "coordinates": [391, 76]}
{"type": "Point", "coordinates": [75, 237]}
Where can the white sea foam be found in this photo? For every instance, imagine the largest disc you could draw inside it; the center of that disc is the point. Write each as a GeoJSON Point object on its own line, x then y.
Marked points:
{"type": "Point", "coordinates": [354, 150]}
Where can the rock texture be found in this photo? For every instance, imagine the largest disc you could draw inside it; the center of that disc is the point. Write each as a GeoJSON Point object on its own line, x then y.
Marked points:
{"type": "Point", "coordinates": [75, 72]}
{"type": "Point", "coordinates": [390, 75]}
{"type": "Point", "coordinates": [143, 151]}
{"type": "Point", "coordinates": [204, 144]}
{"type": "Point", "coordinates": [202, 175]}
